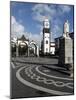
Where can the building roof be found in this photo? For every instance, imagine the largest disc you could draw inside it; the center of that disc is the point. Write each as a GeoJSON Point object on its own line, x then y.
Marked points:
{"type": "Point", "coordinates": [23, 38]}
{"type": "Point", "coordinates": [52, 44]}
{"type": "Point", "coordinates": [70, 34]}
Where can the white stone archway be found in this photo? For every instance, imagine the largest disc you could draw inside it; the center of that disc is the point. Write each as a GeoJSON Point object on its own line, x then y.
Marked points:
{"type": "Point", "coordinates": [36, 48]}
{"type": "Point", "coordinates": [28, 44]}
{"type": "Point", "coordinates": [21, 44]}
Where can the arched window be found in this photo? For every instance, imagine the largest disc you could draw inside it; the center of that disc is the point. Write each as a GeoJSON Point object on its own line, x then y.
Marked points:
{"type": "Point", "coordinates": [46, 49]}
{"type": "Point", "coordinates": [46, 41]}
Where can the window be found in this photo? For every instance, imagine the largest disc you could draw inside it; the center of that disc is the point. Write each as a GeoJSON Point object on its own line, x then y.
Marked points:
{"type": "Point", "coordinates": [46, 49]}
{"type": "Point", "coordinates": [46, 30]}
{"type": "Point", "coordinates": [46, 42]}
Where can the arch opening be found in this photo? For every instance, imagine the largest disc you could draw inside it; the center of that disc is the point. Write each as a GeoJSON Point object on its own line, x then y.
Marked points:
{"type": "Point", "coordinates": [32, 49]}
{"type": "Point", "coordinates": [23, 49]}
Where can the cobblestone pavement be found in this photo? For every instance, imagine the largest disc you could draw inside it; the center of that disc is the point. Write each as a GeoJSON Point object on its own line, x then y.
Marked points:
{"type": "Point", "coordinates": [37, 60]}
{"type": "Point", "coordinates": [33, 79]}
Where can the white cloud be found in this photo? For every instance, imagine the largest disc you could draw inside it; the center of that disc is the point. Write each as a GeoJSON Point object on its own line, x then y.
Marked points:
{"type": "Point", "coordinates": [64, 8]}
{"type": "Point", "coordinates": [53, 12]}
{"type": "Point", "coordinates": [39, 11]}
{"type": "Point", "coordinates": [40, 8]}
{"type": "Point", "coordinates": [17, 30]}
{"type": "Point", "coordinates": [57, 31]}
{"type": "Point", "coordinates": [36, 38]}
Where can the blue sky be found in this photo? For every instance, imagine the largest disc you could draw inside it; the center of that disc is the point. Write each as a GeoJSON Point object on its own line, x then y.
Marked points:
{"type": "Point", "coordinates": [27, 19]}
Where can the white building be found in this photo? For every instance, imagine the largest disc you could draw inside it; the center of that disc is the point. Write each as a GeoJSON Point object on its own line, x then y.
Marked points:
{"type": "Point", "coordinates": [47, 45]}
{"type": "Point", "coordinates": [23, 47]}
{"type": "Point", "coordinates": [46, 36]}
{"type": "Point", "coordinates": [52, 48]}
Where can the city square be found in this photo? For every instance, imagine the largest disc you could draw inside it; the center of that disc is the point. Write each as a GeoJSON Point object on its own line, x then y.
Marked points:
{"type": "Point", "coordinates": [42, 51]}
{"type": "Point", "coordinates": [31, 77]}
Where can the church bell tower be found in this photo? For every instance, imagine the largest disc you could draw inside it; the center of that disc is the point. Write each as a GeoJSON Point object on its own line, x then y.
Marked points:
{"type": "Point", "coordinates": [46, 36]}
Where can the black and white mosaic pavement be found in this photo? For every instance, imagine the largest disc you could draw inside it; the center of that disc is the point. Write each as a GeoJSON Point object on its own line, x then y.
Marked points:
{"type": "Point", "coordinates": [29, 80]}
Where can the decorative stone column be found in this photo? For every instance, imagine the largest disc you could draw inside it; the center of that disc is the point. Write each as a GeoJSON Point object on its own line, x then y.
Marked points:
{"type": "Point", "coordinates": [28, 52]}
{"type": "Point", "coordinates": [65, 50]}
{"type": "Point", "coordinates": [17, 51]}
{"type": "Point", "coordinates": [37, 51]}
